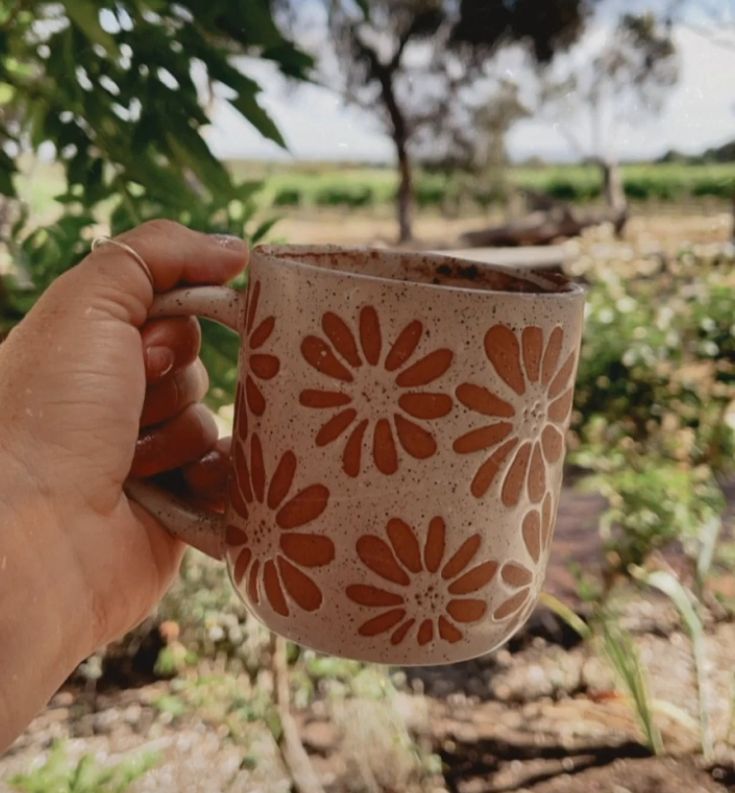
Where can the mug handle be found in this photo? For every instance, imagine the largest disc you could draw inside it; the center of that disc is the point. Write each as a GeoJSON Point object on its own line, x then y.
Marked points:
{"type": "Point", "coordinates": [199, 528]}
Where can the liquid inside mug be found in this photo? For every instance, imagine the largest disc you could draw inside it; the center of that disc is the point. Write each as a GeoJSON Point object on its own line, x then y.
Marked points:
{"type": "Point", "coordinates": [398, 447]}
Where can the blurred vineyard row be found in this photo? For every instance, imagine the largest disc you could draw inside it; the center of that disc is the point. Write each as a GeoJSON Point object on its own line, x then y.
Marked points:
{"type": "Point", "coordinates": [323, 186]}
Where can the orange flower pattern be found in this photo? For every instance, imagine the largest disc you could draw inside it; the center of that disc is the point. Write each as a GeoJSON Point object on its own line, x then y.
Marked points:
{"type": "Point", "coordinates": [538, 529]}
{"type": "Point", "coordinates": [524, 439]}
{"type": "Point", "coordinates": [269, 555]}
{"type": "Point", "coordinates": [421, 595]}
{"type": "Point", "coordinates": [357, 375]}
{"type": "Point", "coordinates": [261, 366]}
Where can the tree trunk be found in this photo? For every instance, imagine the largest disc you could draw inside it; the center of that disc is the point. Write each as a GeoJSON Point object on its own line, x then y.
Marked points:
{"type": "Point", "coordinates": [614, 193]}
{"type": "Point", "coordinates": [404, 199]}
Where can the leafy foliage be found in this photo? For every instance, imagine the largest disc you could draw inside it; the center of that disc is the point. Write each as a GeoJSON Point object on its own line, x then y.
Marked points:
{"type": "Point", "coordinates": [58, 775]}
{"type": "Point", "coordinates": [122, 91]}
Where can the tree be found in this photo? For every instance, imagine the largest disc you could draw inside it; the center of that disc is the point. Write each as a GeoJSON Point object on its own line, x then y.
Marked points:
{"type": "Point", "coordinates": [119, 89]}
{"type": "Point", "coordinates": [629, 75]}
{"type": "Point", "coordinates": [416, 63]}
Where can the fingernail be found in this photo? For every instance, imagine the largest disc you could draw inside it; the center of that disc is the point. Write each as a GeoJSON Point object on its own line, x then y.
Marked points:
{"type": "Point", "coordinates": [229, 241]}
{"type": "Point", "coordinates": [159, 361]}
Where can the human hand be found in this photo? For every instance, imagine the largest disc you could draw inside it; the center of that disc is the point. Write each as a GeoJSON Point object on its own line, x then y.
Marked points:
{"type": "Point", "coordinates": [91, 392]}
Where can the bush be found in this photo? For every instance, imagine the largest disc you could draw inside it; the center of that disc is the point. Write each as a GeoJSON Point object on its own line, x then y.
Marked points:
{"type": "Point", "coordinates": [287, 197]}
{"type": "Point", "coordinates": [347, 194]}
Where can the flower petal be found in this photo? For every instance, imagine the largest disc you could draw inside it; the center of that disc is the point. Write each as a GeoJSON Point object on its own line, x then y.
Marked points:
{"type": "Point", "coordinates": [504, 353]}
{"type": "Point", "coordinates": [257, 468]}
{"type": "Point", "coordinates": [335, 427]}
{"type": "Point", "coordinates": [242, 415]}
{"type": "Point", "coordinates": [516, 476]}
{"type": "Point", "coordinates": [377, 555]}
{"type": "Point", "coordinates": [482, 438]}
{"type": "Point", "coordinates": [426, 370]}
{"type": "Point", "coordinates": [479, 399]}
{"type": "Point", "coordinates": [405, 544]}
{"type": "Point", "coordinates": [466, 609]}
{"type": "Point", "coordinates": [253, 592]}
{"type": "Point", "coordinates": [559, 411]}
{"type": "Point", "coordinates": [384, 448]}
{"type": "Point", "coordinates": [561, 381]}
{"type": "Point", "coordinates": [426, 632]}
{"type": "Point", "coordinates": [317, 353]}
{"type": "Point", "coordinates": [532, 534]}
{"type": "Point", "coordinates": [552, 442]}
{"type": "Point", "coordinates": [536, 474]}
{"type": "Point", "coordinates": [426, 406]}
{"type": "Point", "coordinates": [341, 337]}
{"type": "Point", "coordinates": [312, 398]}
{"type": "Point", "coordinates": [253, 298]}
{"type": "Point", "coordinates": [419, 443]}
{"type": "Point", "coordinates": [273, 590]}
{"type": "Point", "coordinates": [404, 346]}
{"type": "Point", "coordinates": [242, 473]}
{"type": "Point", "coordinates": [372, 596]}
{"type": "Point", "coordinates": [239, 504]}
{"type": "Point", "coordinates": [262, 333]}
{"type": "Point", "coordinates": [382, 623]}
{"type": "Point", "coordinates": [474, 579]}
{"type": "Point", "coordinates": [486, 473]}
{"type": "Point", "coordinates": [551, 356]}
{"type": "Point", "coordinates": [462, 557]}
{"type": "Point", "coordinates": [299, 586]}
{"type": "Point", "coordinates": [511, 605]}
{"type": "Point", "coordinates": [399, 634]}
{"type": "Point", "coordinates": [307, 505]}
{"type": "Point", "coordinates": [532, 340]}
{"type": "Point", "coordinates": [256, 401]}
{"type": "Point", "coordinates": [264, 366]}
{"type": "Point", "coordinates": [282, 480]}
{"type": "Point", "coordinates": [516, 575]}
{"type": "Point", "coordinates": [241, 565]}
{"type": "Point", "coordinates": [353, 450]}
{"type": "Point", "coordinates": [434, 547]}
{"type": "Point", "coordinates": [448, 631]}
{"type": "Point", "coordinates": [308, 550]}
{"type": "Point", "coordinates": [370, 338]}
{"type": "Point", "coordinates": [235, 536]}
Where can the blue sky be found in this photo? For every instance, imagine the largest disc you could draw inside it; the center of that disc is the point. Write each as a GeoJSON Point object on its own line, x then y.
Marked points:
{"type": "Point", "coordinates": [699, 112]}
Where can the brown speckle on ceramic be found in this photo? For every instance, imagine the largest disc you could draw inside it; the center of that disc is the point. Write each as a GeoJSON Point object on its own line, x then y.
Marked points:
{"type": "Point", "coordinates": [398, 449]}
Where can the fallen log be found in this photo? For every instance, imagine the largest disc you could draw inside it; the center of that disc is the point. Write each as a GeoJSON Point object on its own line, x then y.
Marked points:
{"type": "Point", "coordinates": [542, 228]}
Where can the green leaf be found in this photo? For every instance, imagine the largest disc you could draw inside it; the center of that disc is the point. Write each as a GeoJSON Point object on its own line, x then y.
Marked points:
{"type": "Point", "coordinates": [263, 229]}
{"type": "Point", "coordinates": [248, 106]}
{"type": "Point", "coordinates": [84, 14]}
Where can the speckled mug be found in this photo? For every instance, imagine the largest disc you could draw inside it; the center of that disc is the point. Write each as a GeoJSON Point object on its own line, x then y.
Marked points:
{"type": "Point", "coordinates": [398, 447]}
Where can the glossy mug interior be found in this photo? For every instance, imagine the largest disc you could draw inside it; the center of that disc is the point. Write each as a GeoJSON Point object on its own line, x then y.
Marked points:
{"type": "Point", "coordinates": [398, 448]}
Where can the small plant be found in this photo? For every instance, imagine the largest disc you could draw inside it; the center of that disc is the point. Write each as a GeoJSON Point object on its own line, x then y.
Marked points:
{"type": "Point", "coordinates": [86, 775]}
{"type": "Point", "coordinates": [622, 654]}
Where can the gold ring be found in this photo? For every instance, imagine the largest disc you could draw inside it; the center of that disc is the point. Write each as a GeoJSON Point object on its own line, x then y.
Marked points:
{"type": "Point", "coordinates": [98, 242]}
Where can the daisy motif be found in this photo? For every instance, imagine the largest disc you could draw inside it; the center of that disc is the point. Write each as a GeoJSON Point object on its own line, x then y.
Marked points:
{"type": "Point", "coordinates": [527, 434]}
{"type": "Point", "coordinates": [357, 364]}
{"type": "Point", "coordinates": [538, 529]}
{"type": "Point", "coordinates": [422, 595]}
{"type": "Point", "coordinates": [269, 555]}
{"type": "Point", "coordinates": [260, 366]}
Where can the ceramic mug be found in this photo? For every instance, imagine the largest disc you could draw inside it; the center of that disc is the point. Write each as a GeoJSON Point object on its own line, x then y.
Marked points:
{"type": "Point", "coordinates": [398, 447]}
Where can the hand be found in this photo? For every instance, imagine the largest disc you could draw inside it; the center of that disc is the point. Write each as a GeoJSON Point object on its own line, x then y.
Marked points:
{"type": "Point", "coordinates": [90, 392]}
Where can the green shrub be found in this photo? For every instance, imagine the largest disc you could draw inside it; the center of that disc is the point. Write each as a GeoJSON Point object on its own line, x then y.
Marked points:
{"type": "Point", "coordinates": [58, 775]}
{"type": "Point", "coordinates": [347, 194]}
{"type": "Point", "coordinates": [287, 197]}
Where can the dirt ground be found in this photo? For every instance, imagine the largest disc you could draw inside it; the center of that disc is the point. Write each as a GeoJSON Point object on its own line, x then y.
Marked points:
{"type": "Point", "coordinates": [544, 714]}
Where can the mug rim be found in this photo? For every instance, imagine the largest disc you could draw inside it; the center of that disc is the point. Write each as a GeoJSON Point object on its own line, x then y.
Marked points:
{"type": "Point", "coordinates": [547, 289]}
